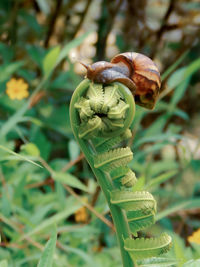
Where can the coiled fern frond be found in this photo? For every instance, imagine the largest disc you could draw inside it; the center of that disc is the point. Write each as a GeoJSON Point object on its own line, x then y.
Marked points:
{"type": "Point", "coordinates": [100, 117]}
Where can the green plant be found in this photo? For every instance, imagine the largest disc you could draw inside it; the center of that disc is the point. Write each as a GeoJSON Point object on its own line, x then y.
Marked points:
{"type": "Point", "coordinates": [100, 118]}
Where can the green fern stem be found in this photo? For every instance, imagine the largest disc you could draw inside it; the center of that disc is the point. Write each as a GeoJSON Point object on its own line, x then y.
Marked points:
{"type": "Point", "coordinates": [105, 182]}
{"type": "Point", "coordinates": [100, 118]}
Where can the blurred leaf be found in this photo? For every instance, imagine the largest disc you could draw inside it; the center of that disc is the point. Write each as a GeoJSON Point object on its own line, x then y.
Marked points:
{"type": "Point", "coordinates": [187, 204]}
{"type": "Point", "coordinates": [183, 73]}
{"type": "Point", "coordinates": [179, 92]}
{"type": "Point", "coordinates": [50, 60]}
{"type": "Point", "coordinates": [87, 258]}
{"type": "Point", "coordinates": [192, 263]}
{"type": "Point", "coordinates": [7, 52]}
{"type": "Point", "coordinates": [72, 44]}
{"type": "Point", "coordinates": [12, 121]}
{"type": "Point", "coordinates": [40, 212]}
{"type": "Point", "coordinates": [180, 113]}
{"type": "Point", "coordinates": [182, 254]}
{"type": "Point", "coordinates": [44, 6]}
{"type": "Point", "coordinates": [46, 259]}
{"type": "Point", "coordinates": [36, 53]}
{"type": "Point", "coordinates": [30, 149]}
{"type": "Point", "coordinates": [176, 78]}
{"type": "Point", "coordinates": [74, 149]}
{"type": "Point", "coordinates": [8, 69]}
{"type": "Point", "coordinates": [158, 167]}
{"type": "Point", "coordinates": [156, 127]}
{"type": "Point", "coordinates": [6, 204]}
{"type": "Point", "coordinates": [19, 157]}
{"type": "Point", "coordinates": [69, 179]}
{"type": "Point", "coordinates": [158, 137]}
{"type": "Point", "coordinates": [3, 263]}
{"type": "Point", "coordinates": [161, 179]}
{"type": "Point", "coordinates": [175, 65]}
{"type": "Point", "coordinates": [195, 164]}
{"type": "Point", "coordinates": [40, 140]}
{"type": "Point", "coordinates": [71, 206]}
{"type": "Point", "coordinates": [61, 194]}
{"type": "Point", "coordinates": [31, 21]}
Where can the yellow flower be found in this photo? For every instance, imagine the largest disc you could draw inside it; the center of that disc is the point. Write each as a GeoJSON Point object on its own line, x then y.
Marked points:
{"type": "Point", "coordinates": [17, 89]}
{"type": "Point", "coordinates": [195, 237]}
{"type": "Point", "coordinates": [81, 215]}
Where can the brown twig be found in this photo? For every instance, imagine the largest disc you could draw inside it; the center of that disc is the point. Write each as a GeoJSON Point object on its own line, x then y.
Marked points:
{"type": "Point", "coordinates": [18, 229]}
{"type": "Point", "coordinates": [73, 162]}
{"type": "Point", "coordinates": [71, 191]}
{"type": "Point", "coordinates": [52, 23]}
{"type": "Point", "coordinates": [105, 24]}
{"type": "Point", "coordinates": [95, 196]}
{"type": "Point", "coordinates": [163, 28]}
{"type": "Point", "coordinates": [12, 36]}
{"type": "Point", "coordinates": [39, 184]}
{"type": "Point", "coordinates": [89, 207]}
{"type": "Point", "coordinates": [12, 245]}
{"type": "Point", "coordinates": [83, 15]}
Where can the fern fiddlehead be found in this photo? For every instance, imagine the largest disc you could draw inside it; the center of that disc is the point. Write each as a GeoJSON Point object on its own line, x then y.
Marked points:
{"type": "Point", "coordinates": [100, 118]}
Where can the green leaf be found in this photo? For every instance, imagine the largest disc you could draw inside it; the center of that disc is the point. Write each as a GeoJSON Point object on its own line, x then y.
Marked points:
{"type": "Point", "coordinates": [3, 263]}
{"type": "Point", "coordinates": [71, 206]}
{"type": "Point", "coordinates": [179, 250]}
{"type": "Point", "coordinates": [19, 157]}
{"type": "Point", "coordinates": [69, 179]}
{"type": "Point", "coordinates": [46, 259]}
{"type": "Point", "coordinates": [158, 137]}
{"type": "Point", "coordinates": [13, 120]}
{"type": "Point", "coordinates": [188, 204]}
{"type": "Point", "coordinates": [179, 92]}
{"type": "Point", "coordinates": [192, 263]}
{"type": "Point", "coordinates": [30, 149]}
{"type": "Point", "coordinates": [161, 178]}
{"type": "Point", "coordinates": [176, 78]}
{"type": "Point", "coordinates": [80, 253]}
{"type": "Point", "coordinates": [74, 43]}
{"type": "Point", "coordinates": [30, 21]}
{"type": "Point", "coordinates": [183, 73]}
{"type": "Point", "coordinates": [74, 149]}
{"type": "Point", "coordinates": [174, 66]}
{"type": "Point", "coordinates": [41, 142]}
{"type": "Point", "coordinates": [50, 59]}
{"type": "Point", "coordinates": [7, 70]}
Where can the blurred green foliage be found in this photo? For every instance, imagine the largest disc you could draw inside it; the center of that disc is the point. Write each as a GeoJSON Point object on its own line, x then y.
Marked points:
{"type": "Point", "coordinates": [41, 41]}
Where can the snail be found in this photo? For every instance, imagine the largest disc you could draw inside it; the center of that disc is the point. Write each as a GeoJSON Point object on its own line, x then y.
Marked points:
{"type": "Point", "coordinates": [136, 71]}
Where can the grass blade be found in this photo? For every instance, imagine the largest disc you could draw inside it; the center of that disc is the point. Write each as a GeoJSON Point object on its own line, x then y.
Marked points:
{"type": "Point", "coordinates": [20, 157]}
{"type": "Point", "coordinates": [71, 204]}
{"type": "Point", "coordinates": [46, 259]}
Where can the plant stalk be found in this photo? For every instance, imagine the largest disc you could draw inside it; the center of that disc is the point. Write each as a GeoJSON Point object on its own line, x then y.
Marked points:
{"type": "Point", "coordinates": [118, 215]}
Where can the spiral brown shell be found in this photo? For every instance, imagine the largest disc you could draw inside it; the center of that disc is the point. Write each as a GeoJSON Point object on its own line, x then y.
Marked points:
{"type": "Point", "coordinates": [145, 75]}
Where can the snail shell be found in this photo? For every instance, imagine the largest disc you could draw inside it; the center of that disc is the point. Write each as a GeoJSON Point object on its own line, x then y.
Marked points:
{"type": "Point", "coordinates": [138, 72]}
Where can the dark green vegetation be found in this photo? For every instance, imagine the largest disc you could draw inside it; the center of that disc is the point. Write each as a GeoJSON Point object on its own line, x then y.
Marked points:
{"type": "Point", "coordinates": [41, 42]}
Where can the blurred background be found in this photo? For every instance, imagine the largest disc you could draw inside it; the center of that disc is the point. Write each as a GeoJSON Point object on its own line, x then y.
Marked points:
{"type": "Point", "coordinates": [44, 178]}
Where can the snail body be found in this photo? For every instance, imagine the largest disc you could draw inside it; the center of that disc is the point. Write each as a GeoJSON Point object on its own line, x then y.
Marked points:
{"type": "Point", "coordinates": [138, 72]}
